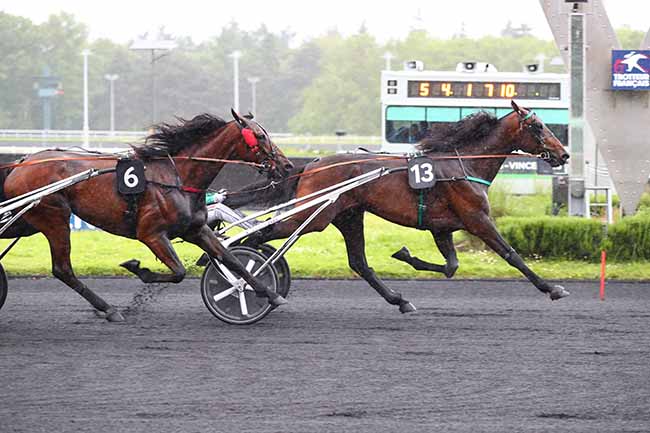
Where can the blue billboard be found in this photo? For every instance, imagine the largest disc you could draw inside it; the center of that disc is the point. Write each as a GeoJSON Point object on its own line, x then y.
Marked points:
{"type": "Point", "coordinates": [631, 70]}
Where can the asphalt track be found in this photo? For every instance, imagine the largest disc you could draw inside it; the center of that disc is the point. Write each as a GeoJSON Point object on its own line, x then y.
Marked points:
{"type": "Point", "coordinates": [478, 356]}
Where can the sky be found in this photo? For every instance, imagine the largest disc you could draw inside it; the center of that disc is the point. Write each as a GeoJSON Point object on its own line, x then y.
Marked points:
{"type": "Point", "coordinates": [122, 21]}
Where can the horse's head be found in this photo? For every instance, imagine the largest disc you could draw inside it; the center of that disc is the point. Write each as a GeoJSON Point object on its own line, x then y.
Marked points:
{"type": "Point", "coordinates": [535, 137]}
{"type": "Point", "coordinates": [256, 146]}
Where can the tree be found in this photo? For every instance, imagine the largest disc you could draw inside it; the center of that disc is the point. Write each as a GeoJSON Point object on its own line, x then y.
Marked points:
{"type": "Point", "coordinates": [20, 50]}
{"type": "Point", "coordinates": [62, 39]}
{"type": "Point", "coordinates": [318, 86]}
{"type": "Point", "coordinates": [345, 95]}
{"type": "Point", "coordinates": [630, 39]}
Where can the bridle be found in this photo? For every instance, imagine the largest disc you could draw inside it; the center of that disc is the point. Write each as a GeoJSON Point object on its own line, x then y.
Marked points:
{"type": "Point", "coordinates": [537, 132]}
{"type": "Point", "coordinates": [252, 140]}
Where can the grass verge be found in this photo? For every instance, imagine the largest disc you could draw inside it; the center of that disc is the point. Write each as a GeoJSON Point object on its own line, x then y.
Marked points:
{"type": "Point", "coordinates": [96, 253]}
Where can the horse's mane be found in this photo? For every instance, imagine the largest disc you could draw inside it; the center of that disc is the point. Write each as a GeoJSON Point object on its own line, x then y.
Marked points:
{"type": "Point", "coordinates": [471, 130]}
{"type": "Point", "coordinates": [169, 139]}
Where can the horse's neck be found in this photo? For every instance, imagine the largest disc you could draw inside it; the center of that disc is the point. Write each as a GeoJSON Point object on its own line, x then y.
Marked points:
{"type": "Point", "coordinates": [499, 143]}
{"type": "Point", "coordinates": [200, 174]}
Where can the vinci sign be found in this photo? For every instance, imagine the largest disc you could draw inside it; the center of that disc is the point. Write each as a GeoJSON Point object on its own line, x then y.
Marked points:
{"type": "Point", "coordinates": [630, 70]}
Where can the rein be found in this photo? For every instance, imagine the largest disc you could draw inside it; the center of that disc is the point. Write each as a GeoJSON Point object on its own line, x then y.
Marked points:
{"type": "Point", "coordinates": [393, 158]}
{"type": "Point", "coordinates": [178, 185]}
{"type": "Point", "coordinates": [115, 157]}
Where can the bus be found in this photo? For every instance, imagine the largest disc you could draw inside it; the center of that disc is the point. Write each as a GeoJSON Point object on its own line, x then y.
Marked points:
{"type": "Point", "coordinates": [414, 100]}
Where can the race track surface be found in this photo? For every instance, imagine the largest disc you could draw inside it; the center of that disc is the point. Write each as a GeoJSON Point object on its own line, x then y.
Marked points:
{"type": "Point", "coordinates": [477, 357]}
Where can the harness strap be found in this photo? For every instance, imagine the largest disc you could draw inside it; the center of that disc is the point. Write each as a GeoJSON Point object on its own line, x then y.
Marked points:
{"type": "Point", "coordinates": [467, 176]}
{"type": "Point", "coordinates": [192, 189]}
{"type": "Point", "coordinates": [478, 180]}
{"type": "Point", "coordinates": [422, 207]}
{"type": "Point", "coordinates": [180, 187]}
{"type": "Point", "coordinates": [131, 213]}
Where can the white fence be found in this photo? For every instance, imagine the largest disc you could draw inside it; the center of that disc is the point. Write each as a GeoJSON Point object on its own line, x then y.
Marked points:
{"type": "Point", "coordinates": [16, 140]}
{"type": "Point", "coordinates": [51, 134]}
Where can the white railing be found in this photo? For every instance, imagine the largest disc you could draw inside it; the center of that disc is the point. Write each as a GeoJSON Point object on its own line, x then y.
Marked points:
{"type": "Point", "coordinates": [52, 134]}
{"type": "Point", "coordinates": [110, 135]}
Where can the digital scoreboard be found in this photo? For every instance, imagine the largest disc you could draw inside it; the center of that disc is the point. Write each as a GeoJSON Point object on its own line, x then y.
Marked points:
{"type": "Point", "coordinates": [415, 100]}
{"type": "Point", "coordinates": [484, 90]}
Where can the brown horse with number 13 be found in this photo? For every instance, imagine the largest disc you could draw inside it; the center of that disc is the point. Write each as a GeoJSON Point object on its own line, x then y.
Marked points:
{"type": "Point", "coordinates": [467, 157]}
{"type": "Point", "coordinates": [180, 161]}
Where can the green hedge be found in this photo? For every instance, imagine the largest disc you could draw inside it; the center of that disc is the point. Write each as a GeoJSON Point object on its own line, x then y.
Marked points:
{"type": "Point", "coordinates": [578, 238]}
{"type": "Point", "coordinates": [629, 239]}
{"type": "Point", "coordinates": [554, 237]}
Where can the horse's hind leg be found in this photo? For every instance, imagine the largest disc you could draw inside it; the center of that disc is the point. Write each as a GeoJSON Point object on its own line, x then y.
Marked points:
{"type": "Point", "coordinates": [445, 243]}
{"type": "Point", "coordinates": [58, 236]}
{"type": "Point", "coordinates": [350, 225]}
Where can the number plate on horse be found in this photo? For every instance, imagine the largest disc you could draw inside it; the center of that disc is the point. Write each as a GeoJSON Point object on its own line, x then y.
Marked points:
{"type": "Point", "coordinates": [130, 176]}
{"type": "Point", "coordinates": [421, 174]}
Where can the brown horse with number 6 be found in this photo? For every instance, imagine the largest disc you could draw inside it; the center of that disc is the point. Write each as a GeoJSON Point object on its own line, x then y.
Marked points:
{"type": "Point", "coordinates": [181, 162]}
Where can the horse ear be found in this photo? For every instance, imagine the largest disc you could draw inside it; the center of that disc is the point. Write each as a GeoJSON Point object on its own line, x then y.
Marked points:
{"type": "Point", "coordinates": [237, 118]}
{"type": "Point", "coordinates": [249, 116]}
{"type": "Point", "coordinates": [515, 107]}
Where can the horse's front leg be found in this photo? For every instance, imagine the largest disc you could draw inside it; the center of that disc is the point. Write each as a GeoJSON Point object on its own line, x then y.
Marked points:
{"type": "Point", "coordinates": [205, 239]}
{"type": "Point", "coordinates": [445, 243]}
{"type": "Point", "coordinates": [483, 227]}
{"type": "Point", "coordinates": [162, 248]}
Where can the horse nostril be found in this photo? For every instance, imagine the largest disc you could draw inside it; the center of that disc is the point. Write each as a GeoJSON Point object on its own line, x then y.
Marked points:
{"type": "Point", "coordinates": [565, 157]}
{"type": "Point", "coordinates": [288, 166]}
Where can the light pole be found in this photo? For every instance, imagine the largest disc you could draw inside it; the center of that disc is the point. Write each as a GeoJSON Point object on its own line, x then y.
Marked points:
{"type": "Point", "coordinates": [236, 55]}
{"type": "Point", "coordinates": [388, 56]}
{"type": "Point", "coordinates": [153, 45]}
{"type": "Point", "coordinates": [86, 128]}
{"type": "Point", "coordinates": [111, 81]}
{"type": "Point", "coordinates": [253, 81]}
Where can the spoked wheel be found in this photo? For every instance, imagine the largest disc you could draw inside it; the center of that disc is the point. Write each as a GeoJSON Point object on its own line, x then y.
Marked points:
{"type": "Point", "coordinates": [281, 268]}
{"type": "Point", "coordinates": [3, 286]}
{"type": "Point", "coordinates": [229, 298]}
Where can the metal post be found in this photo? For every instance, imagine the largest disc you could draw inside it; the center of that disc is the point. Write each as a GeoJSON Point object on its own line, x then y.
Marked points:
{"type": "Point", "coordinates": [154, 115]}
{"type": "Point", "coordinates": [111, 81]}
{"type": "Point", "coordinates": [235, 59]}
{"type": "Point", "coordinates": [152, 45]}
{"type": "Point", "coordinates": [86, 127]}
{"type": "Point", "coordinates": [577, 204]}
{"type": "Point", "coordinates": [254, 81]}
{"type": "Point", "coordinates": [47, 113]}
{"type": "Point", "coordinates": [388, 56]}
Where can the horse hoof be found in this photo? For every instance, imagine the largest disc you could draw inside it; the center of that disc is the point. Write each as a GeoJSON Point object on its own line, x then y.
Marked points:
{"type": "Point", "coordinates": [114, 316]}
{"type": "Point", "coordinates": [407, 307]}
{"type": "Point", "coordinates": [402, 254]}
{"type": "Point", "coordinates": [131, 265]}
{"type": "Point", "coordinates": [558, 292]}
{"type": "Point", "coordinates": [277, 301]}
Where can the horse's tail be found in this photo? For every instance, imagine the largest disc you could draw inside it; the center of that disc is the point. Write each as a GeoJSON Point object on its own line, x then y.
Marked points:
{"type": "Point", "coordinates": [20, 227]}
{"type": "Point", "coordinates": [266, 193]}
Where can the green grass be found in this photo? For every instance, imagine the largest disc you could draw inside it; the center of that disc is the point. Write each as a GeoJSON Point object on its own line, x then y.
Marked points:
{"type": "Point", "coordinates": [315, 255]}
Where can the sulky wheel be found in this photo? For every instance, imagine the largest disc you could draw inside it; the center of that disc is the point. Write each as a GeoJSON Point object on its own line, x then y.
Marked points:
{"type": "Point", "coordinates": [3, 286]}
{"type": "Point", "coordinates": [229, 298]}
{"type": "Point", "coordinates": [281, 268]}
